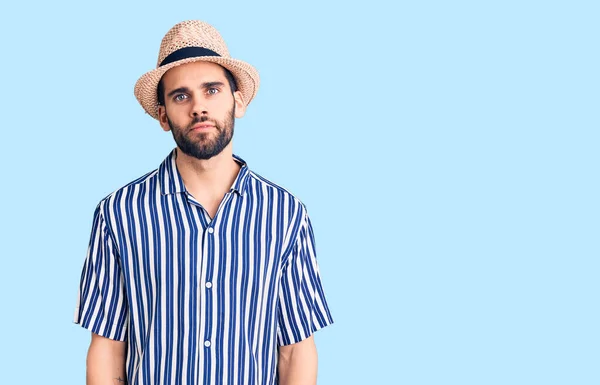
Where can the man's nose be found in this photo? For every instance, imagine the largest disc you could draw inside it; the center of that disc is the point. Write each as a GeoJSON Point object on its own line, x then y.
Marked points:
{"type": "Point", "coordinates": [199, 108]}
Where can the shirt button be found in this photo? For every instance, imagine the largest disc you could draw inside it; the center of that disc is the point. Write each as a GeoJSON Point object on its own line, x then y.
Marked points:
{"type": "Point", "coordinates": [211, 230]}
{"type": "Point", "coordinates": [208, 285]}
{"type": "Point", "coordinates": [207, 343]}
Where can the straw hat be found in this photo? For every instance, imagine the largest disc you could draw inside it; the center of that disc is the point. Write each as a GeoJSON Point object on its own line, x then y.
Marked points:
{"type": "Point", "coordinates": [187, 42]}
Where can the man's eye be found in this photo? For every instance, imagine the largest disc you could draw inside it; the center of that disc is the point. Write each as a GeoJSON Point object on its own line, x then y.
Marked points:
{"type": "Point", "coordinates": [180, 97]}
{"type": "Point", "coordinates": [212, 91]}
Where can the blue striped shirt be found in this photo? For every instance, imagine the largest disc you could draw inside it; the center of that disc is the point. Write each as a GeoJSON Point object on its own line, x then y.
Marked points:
{"type": "Point", "coordinates": [201, 300]}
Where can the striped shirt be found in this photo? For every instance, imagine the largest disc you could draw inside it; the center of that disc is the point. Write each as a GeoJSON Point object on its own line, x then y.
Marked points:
{"type": "Point", "coordinates": [201, 300]}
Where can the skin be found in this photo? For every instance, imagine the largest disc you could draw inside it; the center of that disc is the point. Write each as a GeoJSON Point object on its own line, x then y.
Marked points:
{"type": "Point", "coordinates": [194, 90]}
{"type": "Point", "coordinates": [106, 361]}
{"type": "Point", "coordinates": [297, 363]}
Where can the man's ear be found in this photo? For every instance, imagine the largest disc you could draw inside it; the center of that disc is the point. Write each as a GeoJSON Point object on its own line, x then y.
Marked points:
{"type": "Point", "coordinates": [240, 106]}
{"type": "Point", "coordinates": [163, 119]}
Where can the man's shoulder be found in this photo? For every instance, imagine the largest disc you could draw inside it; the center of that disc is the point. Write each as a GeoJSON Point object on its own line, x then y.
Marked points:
{"type": "Point", "coordinates": [146, 181]}
{"type": "Point", "coordinates": [276, 189]}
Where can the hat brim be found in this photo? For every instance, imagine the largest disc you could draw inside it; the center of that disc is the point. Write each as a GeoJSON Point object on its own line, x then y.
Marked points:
{"type": "Point", "coordinates": [245, 75]}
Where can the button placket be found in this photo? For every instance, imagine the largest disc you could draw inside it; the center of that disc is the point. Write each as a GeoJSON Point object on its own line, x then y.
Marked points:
{"type": "Point", "coordinates": [205, 241]}
{"type": "Point", "coordinates": [209, 230]}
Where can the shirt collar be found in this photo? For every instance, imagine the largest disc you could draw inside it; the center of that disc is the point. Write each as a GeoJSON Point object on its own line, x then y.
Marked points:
{"type": "Point", "coordinates": [240, 184]}
{"type": "Point", "coordinates": [171, 181]}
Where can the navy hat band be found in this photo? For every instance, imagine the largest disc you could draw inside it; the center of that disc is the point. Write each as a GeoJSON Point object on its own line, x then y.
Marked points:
{"type": "Point", "coordinates": [187, 52]}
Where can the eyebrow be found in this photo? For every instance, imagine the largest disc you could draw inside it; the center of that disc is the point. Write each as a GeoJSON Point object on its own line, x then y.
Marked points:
{"type": "Point", "coordinates": [178, 90]}
{"type": "Point", "coordinates": [204, 85]}
{"type": "Point", "coordinates": [212, 84]}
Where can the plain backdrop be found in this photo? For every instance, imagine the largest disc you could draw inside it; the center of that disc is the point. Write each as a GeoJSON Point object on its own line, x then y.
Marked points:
{"type": "Point", "coordinates": [447, 152]}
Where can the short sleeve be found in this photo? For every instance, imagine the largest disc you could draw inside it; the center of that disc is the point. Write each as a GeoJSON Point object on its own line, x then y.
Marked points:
{"type": "Point", "coordinates": [101, 304]}
{"type": "Point", "coordinates": [302, 308]}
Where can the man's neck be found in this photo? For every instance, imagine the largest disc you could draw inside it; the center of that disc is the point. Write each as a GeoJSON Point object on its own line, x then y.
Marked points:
{"type": "Point", "coordinates": [208, 178]}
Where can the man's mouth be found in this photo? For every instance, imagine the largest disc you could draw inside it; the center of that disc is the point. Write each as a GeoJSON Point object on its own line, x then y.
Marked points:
{"type": "Point", "coordinates": [202, 126]}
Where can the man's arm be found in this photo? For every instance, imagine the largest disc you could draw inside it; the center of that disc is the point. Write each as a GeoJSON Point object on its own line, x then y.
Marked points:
{"type": "Point", "coordinates": [297, 363]}
{"type": "Point", "coordinates": [106, 362]}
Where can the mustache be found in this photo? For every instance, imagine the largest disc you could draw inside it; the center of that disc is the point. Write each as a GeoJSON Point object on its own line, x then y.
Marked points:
{"type": "Point", "coordinates": [200, 119]}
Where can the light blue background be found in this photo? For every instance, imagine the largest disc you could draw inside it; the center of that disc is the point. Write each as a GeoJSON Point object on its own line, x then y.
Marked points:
{"type": "Point", "coordinates": [447, 153]}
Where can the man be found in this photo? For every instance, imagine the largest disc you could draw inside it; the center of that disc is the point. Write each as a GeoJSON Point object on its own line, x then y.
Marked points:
{"type": "Point", "coordinates": [202, 271]}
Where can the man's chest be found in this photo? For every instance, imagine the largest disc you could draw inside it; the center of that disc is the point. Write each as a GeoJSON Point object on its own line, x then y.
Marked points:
{"type": "Point", "coordinates": [179, 249]}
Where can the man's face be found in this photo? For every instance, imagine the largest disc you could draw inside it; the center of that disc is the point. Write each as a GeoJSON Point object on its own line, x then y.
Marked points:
{"type": "Point", "coordinates": [199, 108]}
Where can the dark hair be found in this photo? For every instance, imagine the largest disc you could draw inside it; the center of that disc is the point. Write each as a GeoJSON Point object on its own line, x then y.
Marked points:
{"type": "Point", "coordinates": [160, 90]}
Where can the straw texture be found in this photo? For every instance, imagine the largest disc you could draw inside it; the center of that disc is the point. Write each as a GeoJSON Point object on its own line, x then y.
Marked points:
{"type": "Point", "coordinates": [194, 33]}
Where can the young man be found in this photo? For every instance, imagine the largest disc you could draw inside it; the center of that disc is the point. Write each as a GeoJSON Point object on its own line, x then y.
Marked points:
{"type": "Point", "coordinates": [201, 272]}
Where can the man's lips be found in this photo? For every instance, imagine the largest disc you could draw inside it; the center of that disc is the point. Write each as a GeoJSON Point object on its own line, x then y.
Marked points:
{"type": "Point", "coordinates": [202, 126]}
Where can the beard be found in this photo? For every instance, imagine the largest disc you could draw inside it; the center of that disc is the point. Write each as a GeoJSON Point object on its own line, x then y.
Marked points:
{"type": "Point", "coordinates": [202, 145]}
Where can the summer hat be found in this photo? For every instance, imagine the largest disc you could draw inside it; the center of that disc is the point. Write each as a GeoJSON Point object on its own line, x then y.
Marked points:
{"type": "Point", "coordinates": [191, 41]}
